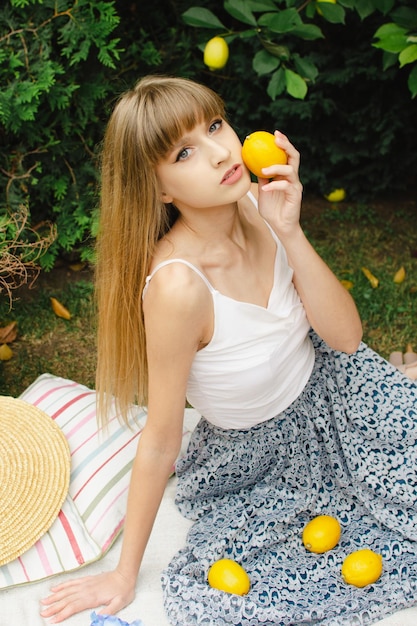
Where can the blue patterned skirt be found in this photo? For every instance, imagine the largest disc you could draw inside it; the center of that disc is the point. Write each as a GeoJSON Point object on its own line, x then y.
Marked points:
{"type": "Point", "coordinates": [346, 447]}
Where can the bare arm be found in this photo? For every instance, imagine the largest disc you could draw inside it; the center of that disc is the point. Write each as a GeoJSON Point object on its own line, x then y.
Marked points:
{"type": "Point", "coordinates": [330, 309]}
{"type": "Point", "coordinates": [174, 321]}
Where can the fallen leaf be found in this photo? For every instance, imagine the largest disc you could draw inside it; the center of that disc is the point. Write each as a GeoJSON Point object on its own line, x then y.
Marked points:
{"type": "Point", "coordinates": [8, 333]}
{"type": "Point", "coordinates": [5, 352]}
{"type": "Point", "coordinates": [60, 310]}
{"type": "Point", "coordinates": [347, 284]}
{"type": "Point", "coordinates": [372, 279]}
{"type": "Point", "coordinates": [77, 267]}
{"type": "Point", "coordinates": [399, 276]}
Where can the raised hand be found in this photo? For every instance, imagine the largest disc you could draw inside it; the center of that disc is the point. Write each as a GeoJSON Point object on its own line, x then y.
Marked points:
{"type": "Point", "coordinates": [280, 192]}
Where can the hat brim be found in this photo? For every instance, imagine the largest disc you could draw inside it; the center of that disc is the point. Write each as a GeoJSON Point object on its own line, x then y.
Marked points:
{"type": "Point", "coordinates": [35, 466]}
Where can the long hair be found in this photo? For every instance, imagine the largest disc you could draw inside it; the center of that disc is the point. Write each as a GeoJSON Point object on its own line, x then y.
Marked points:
{"type": "Point", "coordinates": [145, 124]}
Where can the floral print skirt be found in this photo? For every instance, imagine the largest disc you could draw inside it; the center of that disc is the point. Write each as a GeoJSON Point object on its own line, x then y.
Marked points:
{"type": "Point", "coordinates": [347, 447]}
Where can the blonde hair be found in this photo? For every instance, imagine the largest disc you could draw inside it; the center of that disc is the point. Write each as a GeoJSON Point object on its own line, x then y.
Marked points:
{"type": "Point", "coordinates": [145, 124]}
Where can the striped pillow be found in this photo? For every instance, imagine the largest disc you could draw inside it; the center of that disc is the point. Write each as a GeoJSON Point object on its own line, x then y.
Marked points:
{"type": "Point", "coordinates": [93, 513]}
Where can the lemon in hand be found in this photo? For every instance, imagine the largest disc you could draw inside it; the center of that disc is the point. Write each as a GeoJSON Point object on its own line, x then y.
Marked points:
{"type": "Point", "coordinates": [260, 150]}
{"type": "Point", "coordinates": [229, 576]}
{"type": "Point", "coordinates": [362, 568]}
{"type": "Point", "coordinates": [321, 534]}
{"type": "Point", "coordinates": [216, 53]}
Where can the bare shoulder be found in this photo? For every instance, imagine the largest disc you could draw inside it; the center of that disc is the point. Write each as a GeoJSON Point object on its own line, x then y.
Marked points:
{"type": "Point", "coordinates": [178, 294]}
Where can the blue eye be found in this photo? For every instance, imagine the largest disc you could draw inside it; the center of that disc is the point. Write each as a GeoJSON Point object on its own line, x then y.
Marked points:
{"type": "Point", "coordinates": [183, 154]}
{"type": "Point", "coordinates": [215, 125]}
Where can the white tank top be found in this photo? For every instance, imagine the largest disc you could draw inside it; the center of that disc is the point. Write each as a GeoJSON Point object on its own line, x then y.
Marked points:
{"type": "Point", "coordinates": [258, 360]}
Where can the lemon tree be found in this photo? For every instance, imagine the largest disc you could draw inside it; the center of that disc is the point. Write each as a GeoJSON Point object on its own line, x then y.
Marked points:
{"type": "Point", "coordinates": [277, 25]}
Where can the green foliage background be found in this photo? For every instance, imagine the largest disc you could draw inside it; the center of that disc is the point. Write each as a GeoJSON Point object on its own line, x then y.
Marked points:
{"type": "Point", "coordinates": [64, 62]}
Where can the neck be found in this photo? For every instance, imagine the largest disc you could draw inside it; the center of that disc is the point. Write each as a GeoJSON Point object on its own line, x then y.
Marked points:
{"type": "Point", "coordinates": [211, 224]}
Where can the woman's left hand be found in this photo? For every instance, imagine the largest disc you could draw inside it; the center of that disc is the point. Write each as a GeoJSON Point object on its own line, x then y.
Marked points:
{"type": "Point", "coordinates": [280, 192]}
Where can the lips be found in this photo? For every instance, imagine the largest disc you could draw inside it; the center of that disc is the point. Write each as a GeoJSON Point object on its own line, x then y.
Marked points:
{"type": "Point", "coordinates": [232, 175]}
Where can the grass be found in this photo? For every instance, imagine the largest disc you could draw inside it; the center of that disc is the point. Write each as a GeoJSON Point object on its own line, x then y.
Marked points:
{"type": "Point", "coordinates": [47, 343]}
{"type": "Point", "coordinates": [381, 236]}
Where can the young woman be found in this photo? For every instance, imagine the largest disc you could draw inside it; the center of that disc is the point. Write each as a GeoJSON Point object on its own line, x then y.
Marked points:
{"type": "Point", "coordinates": [209, 290]}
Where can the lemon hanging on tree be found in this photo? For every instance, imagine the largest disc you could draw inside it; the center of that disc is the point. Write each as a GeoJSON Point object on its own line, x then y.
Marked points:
{"type": "Point", "coordinates": [216, 53]}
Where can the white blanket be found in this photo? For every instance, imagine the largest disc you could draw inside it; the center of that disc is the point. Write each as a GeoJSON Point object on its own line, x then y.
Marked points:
{"type": "Point", "coordinates": [19, 606]}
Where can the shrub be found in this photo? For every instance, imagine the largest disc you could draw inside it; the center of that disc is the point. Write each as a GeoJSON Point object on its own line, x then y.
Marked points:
{"type": "Point", "coordinates": [321, 78]}
{"type": "Point", "coordinates": [53, 62]}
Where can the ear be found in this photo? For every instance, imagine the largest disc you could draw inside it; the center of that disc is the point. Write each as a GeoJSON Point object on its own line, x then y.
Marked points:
{"type": "Point", "coordinates": [166, 199]}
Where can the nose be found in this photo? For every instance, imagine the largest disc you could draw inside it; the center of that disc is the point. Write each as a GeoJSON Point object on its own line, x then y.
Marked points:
{"type": "Point", "coordinates": [218, 152]}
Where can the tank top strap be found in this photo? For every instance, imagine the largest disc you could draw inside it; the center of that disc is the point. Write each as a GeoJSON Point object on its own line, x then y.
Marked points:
{"type": "Point", "coordinates": [169, 262]}
{"type": "Point", "coordinates": [273, 233]}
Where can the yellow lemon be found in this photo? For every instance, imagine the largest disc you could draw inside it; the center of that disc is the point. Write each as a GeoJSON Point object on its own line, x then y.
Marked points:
{"type": "Point", "coordinates": [337, 195]}
{"type": "Point", "coordinates": [229, 576]}
{"type": "Point", "coordinates": [321, 534]}
{"type": "Point", "coordinates": [362, 568]}
{"type": "Point", "coordinates": [260, 150]}
{"type": "Point", "coordinates": [216, 53]}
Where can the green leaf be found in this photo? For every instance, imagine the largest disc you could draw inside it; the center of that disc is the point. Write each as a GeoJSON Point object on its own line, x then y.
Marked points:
{"type": "Point", "coordinates": [412, 82]}
{"type": "Point", "coordinates": [384, 6]}
{"type": "Point", "coordinates": [282, 22]}
{"type": "Point", "coordinates": [388, 60]}
{"type": "Point", "coordinates": [264, 63]}
{"type": "Point", "coordinates": [203, 18]}
{"type": "Point", "coordinates": [391, 38]}
{"type": "Point", "coordinates": [305, 67]}
{"type": "Point", "coordinates": [296, 85]}
{"type": "Point", "coordinates": [408, 55]}
{"type": "Point", "coordinates": [365, 8]}
{"type": "Point", "coordinates": [262, 5]}
{"type": "Point", "coordinates": [405, 17]}
{"type": "Point", "coordinates": [240, 11]}
{"type": "Point", "coordinates": [276, 85]}
{"type": "Point", "coordinates": [245, 34]}
{"type": "Point", "coordinates": [389, 29]}
{"type": "Point", "coordinates": [333, 13]}
{"type": "Point", "coordinates": [281, 52]}
{"type": "Point", "coordinates": [307, 31]}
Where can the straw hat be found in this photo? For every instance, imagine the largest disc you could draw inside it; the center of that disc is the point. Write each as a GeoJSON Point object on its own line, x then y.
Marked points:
{"type": "Point", "coordinates": [34, 475]}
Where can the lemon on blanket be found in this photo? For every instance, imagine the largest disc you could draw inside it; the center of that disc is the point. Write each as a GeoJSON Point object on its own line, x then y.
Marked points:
{"type": "Point", "coordinates": [362, 568]}
{"type": "Point", "coordinates": [321, 534]}
{"type": "Point", "coordinates": [229, 576]}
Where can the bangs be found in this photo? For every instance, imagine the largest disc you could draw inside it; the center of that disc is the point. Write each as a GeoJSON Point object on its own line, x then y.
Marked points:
{"type": "Point", "coordinates": [169, 109]}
